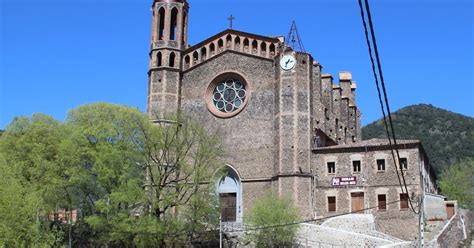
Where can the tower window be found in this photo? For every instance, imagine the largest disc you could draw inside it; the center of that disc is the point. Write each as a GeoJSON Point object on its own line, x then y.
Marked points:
{"type": "Point", "coordinates": [173, 23]}
{"type": "Point", "coordinates": [331, 204]}
{"type": "Point", "coordinates": [403, 164]}
{"type": "Point", "coordinates": [158, 59]}
{"type": "Point", "coordinates": [382, 202]}
{"type": "Point", "coordinates": [331, 167]}
{"type": "Point", "coordinates": [161, 23]}
{"type": "Point", "coordinates": [356, 166]}
{"type": "Point", "coordinates": [172, 58]}
{"type": "Point", "coordinates": [381, 164]}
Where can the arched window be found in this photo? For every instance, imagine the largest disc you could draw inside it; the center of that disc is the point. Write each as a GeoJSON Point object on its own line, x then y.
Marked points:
{"type": "Point", "coordinates": [161, 23]}
{"type": "Point", "coordinates": [212, 48]}
{"type": "Point", "coordinates": [203, 53]}
{"type": "Point", "coordinates": [195, 57]}
{"type": "Point", "coordinates": [237, 43]}
{"type": "Point", "coordinates": [158, 59]}
{"type": "Point", "coordinates": [220, 44]}
{"type": "Point", "coordinates": [172, 58]}
{"type": "Point", "coordinates": [254, 46]}
{"type": "Point", "coordinates": [186, 61]}
{"type": "Point", "coordinates": [228, 41]}
{"type": "Point", "coordinates": [173, 23]}
{"type": "Point", "coordinates": [230, 196]}
{"type": "Point", "coordinates": [272, 49]}
{"type": "Point", "coordinates": [246, 45]}
{"type": "Point", "coordinates": [263, 48]}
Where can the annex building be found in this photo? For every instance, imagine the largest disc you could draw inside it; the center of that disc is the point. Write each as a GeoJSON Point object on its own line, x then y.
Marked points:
{"type": "Point", "coordinates": [287, 126]}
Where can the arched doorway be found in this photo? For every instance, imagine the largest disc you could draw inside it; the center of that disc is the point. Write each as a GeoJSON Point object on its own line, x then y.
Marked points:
{"type": "Point", "coordinates": [230, 196]}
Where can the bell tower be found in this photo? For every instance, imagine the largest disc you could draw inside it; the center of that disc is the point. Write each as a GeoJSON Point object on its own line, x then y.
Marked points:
{"type": "Point", "coordinates": [169, 37]}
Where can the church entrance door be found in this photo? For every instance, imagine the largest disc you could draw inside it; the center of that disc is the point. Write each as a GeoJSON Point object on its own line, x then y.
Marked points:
{"type": "Point", "coordinates": [228, 202]}
{"type": "Point", "coordinates": [357, 202]}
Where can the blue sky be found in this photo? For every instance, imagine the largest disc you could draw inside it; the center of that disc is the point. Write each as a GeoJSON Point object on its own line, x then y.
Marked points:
{"type": "Point", "coordinates": [58, 54]}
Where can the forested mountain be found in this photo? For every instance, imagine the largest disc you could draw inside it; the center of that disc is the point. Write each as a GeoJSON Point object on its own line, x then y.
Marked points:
{"type": "Point", "coordinates": [446, 136]}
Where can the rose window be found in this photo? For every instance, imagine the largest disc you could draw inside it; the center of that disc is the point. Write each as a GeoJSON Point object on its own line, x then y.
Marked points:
{"type": "Point", "coordinates": [229, 95]}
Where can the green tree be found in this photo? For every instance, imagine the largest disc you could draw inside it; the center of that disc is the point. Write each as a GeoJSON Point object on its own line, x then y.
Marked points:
{"type": "Point", "coordinates": [31, 180]}
{"type": "Point", "coordinates": [154, 182]}
{"type": "Point", "coordinates": [456, 183]}
{"type": "Point", "coordinates": [135, 182]}
{"type": "Point", "coordinates": [270, 211]}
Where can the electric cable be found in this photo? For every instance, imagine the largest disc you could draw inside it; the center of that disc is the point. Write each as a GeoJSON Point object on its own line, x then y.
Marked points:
{"type": "Point", "coordinates": [403, 185]}
{"type": "Point", "coordinates": [379, 66]}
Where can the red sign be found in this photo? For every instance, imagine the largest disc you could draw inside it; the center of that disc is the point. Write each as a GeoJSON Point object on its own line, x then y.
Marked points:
{"type": "Point", "coordinates": [343, 181]}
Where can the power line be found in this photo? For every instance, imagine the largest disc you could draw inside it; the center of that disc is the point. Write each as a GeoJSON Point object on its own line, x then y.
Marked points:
{"type": "Point", "coordinates": [396, 158]}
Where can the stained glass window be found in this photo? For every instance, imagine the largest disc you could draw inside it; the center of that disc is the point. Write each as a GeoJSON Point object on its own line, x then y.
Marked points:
{"type": "Point", "coordinates": [229, 95]}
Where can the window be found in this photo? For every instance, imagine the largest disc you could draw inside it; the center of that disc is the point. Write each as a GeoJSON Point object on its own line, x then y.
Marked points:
{"type": "Point", "coordinates": [227, 95]}
{"type": "Point", "coordinates": [381, 164]}
{"type": "Point", "coordinates": [161, 23]}
{"type": "Point", "coordinates": [172, 58]}
{"type": "Point", "coordinates": [403, 163]}
{"type": "Point", "coordinates": [382, 202]}
{"type": "Point", "coordinates": [158, 59]}
{"type": "Point", "coordinates": [356, 166]}
{"type": "Point", "coordinates": [331, 204]}
{"type": "Point", "coordinates": [174, 21]}
{"type": "Point", "coordinates": [331, 167]}
{"type": "Point", "coordinates": [404, 201]}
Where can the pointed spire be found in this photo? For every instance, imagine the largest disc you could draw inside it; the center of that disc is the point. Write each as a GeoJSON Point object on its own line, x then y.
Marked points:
{"type": "Point", "coordinates": [293, 40]}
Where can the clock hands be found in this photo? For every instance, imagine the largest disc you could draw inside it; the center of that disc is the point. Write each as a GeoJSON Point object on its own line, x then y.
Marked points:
{"type": "Point", "coordinates": [288, 61]}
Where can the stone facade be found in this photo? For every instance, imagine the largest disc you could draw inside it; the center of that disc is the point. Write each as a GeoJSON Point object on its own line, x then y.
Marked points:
{"type": "Point", "coordinates": [290, 124]}
{"type": "Point", "coordinates": [373, 182]}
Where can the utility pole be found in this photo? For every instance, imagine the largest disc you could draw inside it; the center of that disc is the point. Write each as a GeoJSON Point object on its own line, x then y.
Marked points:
{"type": "Point", "coordinates": [421, 208]}
{"type": "Point", "coordinates": [220, 231]}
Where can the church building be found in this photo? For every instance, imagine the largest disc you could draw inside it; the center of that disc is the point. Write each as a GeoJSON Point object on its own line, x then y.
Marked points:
{"type": "Point", "coordinates": [287, 126]}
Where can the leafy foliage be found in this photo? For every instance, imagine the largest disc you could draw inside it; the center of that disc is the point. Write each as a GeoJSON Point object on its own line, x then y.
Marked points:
{"type": "Point", "coordinates": [268, 211]}
{"type": "Point", "coordinates": [446, 136]}
{"type": "Point", "coordinates": [135, 183]}
{"type": "Point", "coordinates": [456, 183]}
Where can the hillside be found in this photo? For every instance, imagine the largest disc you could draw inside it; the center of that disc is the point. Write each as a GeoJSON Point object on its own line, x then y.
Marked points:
{"type": "Point", "coordinates": [446, 136]}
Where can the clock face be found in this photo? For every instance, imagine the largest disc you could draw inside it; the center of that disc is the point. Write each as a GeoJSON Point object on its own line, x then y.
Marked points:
{"type": "Point", "coordinates": [287, 62]}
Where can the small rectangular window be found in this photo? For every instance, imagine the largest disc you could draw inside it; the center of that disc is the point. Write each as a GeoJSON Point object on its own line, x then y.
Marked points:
{"type": "Point", "coordinates": [403, 163]}
{"type": "Point", "coordinates": [331, 167]}
{"type": "Point", "coordinates": [404, 201]}
{"type": "Point", "coordinates": [356, 166]}
{"type": "Point", "coordinates": [381, 164]}
{"type": "Point", "coordinates": [331, 204]}
{"type": "Point", "coordinates": [382, 202]}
